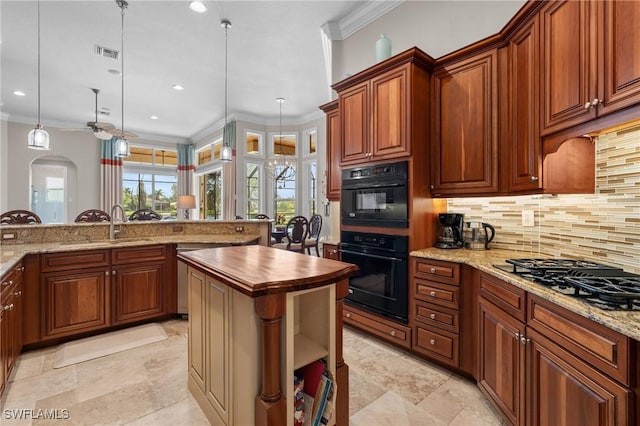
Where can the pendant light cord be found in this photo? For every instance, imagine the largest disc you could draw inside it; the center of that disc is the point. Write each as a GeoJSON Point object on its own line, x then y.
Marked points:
{"type": "Point", "coordinates": [123, 5]}
{"type": "Point", "coordinates": [39, 63]}
{"type": "Point", "coordinates": [226, 38]}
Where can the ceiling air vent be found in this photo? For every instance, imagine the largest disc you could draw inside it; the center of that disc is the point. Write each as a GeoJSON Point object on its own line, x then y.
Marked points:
{"type": "Point", "coordinates": [106, 52]}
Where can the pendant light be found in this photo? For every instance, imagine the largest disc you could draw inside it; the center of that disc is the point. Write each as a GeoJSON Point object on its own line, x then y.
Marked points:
{"type": "Point", "coordinates": [281, 166]}
{"type": "Point", "coordinates": [38, 138]}
{"type": "Point", "coordinates": [122, 149]}
{"type": "Point", "coordinates": [225, 154]}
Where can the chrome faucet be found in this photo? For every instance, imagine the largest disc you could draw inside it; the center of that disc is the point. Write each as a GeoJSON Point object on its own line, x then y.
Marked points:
{"type": "Point", "coordinates": [113, 233]}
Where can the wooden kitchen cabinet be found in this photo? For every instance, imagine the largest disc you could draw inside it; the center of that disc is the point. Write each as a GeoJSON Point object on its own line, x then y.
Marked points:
{"type": "Point", "coordinates": [334, 146]}
{"type": "Point", "coordinates": [11, 291]}
{"type": "Point", "coordinates": [519, 126]}
{"type": "Point", "coordinates": [330, 251]}
{"type": "Point", "coordinates": [591, 60]}
{"type": "Point", "coordinates": [464, 146]}
{"type": "Point", "coordinates": [74, 292]}
{"type": "Point", "coordinates": [138, 279]}
{"type": "Point", "coordinates": [384, 108]}
{"type": "Point", "coordinates": [540, 364]}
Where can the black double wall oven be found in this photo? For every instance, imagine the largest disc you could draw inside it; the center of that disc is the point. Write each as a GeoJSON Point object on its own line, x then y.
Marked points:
{"type": "Point", "coordinates": [377, 196]}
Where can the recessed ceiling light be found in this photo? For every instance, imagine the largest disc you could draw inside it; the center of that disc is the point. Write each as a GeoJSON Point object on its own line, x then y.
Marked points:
{"type": "Point", "coordinates": [154, 117]}
{"type": "Point", "coordinates": [177, 87]}
{"type": "Point", "coordinates": [19, 93]}
{"type": "Point", "coordinates": [197, 6]}
{"type": "Point", "coordinates": [114, 72]}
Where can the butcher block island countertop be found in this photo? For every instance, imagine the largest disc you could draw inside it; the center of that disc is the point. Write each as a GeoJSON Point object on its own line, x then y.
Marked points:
{"type": "Point", "coordinates": [257, 314]}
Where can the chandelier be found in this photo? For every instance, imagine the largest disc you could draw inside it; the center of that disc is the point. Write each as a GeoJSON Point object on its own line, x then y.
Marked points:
{"type": "Point", "coordinates": [282, 166]}
{"type": "Point", "coordinates": [226, 154]}
{"type": "Point", "coordinates": [122, 144]}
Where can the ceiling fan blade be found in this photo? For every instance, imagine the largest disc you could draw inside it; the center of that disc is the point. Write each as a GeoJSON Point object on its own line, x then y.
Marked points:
{"type": "Point", "coordinates": [125, 134]}
{"type": "Point", "coordinates": [83, 129]}
{"type": "Point", "coordinates": [100, 125]}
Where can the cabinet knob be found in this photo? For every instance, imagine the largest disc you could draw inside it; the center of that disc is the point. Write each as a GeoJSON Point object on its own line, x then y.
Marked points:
{"type": "Point", "coordinates": [432, 270]}
{"type": "Point", "coordinates": [595, 102]}
{"type": "Point", "coordinates": [9, 307]}
{"type": "Point", "coordinates": [22, 269]}
{"type": "Point", "coordinates": [587, 105]}
{"type": "Point", "coordinates": [106, 273]}
{"type": "Point", "coordinates": [348, 315]}
{"type": "Point", "coordinates": [18, 293]}
{"type": "Point", "coordinates": [334, 251]}
{"type": "Point", "coordinates": [432, 316]}
{"type": "Point", "coordinates": [8, 282]}
{"type": "Point", "coordinates": [517, 335]}
{"type": "Point", "coordinates": [431, 187]}
{"type": "Point", "coordinates": [524, 340]}
{"type": "Point", "coordinates": [350, 291]}
{"type": "Point", "coordinates": [432, 341]}
{"type": "Point", "coordinates": [113, 272]}
{"type": "Point", "coordinates": [433, 293]}
{"type": "Point", "coordinates": [393, 333]}
{"type": "Point", "coordinates": [534, 178]}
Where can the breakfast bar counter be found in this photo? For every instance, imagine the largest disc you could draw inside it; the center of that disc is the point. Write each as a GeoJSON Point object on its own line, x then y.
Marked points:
{"type": "Point", "coordinates": [256, 314]}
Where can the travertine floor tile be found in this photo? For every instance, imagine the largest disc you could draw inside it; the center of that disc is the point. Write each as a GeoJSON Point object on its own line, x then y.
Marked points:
{"type": "Point", "coordinates": [393, 410]}
{"type": "Point", "coordinates": [185, 412]}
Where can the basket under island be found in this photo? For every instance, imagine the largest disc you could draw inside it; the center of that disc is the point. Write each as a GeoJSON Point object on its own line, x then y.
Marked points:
{"type": "Point", "coordinates": [256, 315]}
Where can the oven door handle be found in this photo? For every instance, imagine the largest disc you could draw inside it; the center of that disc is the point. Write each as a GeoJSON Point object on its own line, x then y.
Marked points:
{"type": "Point", "coordinates": [375, 256]}
{"type": "Point", "coordinates": [369, 186]}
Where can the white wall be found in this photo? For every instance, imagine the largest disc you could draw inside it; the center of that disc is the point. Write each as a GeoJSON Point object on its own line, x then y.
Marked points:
{"type": "Point", "coordinates": [4, 163]}
{"type": "Point", "coordinates": [436, 27]}
{"type": "Point", "coordinates": [81, 148]}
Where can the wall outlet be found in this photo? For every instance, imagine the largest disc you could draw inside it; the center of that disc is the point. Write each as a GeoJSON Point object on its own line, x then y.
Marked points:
{"type": "Point", "coordinates": [8, 236]}
{"type": "Point", "coordinates": [528, 218]}
{"type": "Point", "coordinates": [239, 228]}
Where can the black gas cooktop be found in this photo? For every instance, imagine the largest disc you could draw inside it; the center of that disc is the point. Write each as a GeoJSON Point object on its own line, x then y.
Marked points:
{"type": "Point", "coordinates": [604, 286]}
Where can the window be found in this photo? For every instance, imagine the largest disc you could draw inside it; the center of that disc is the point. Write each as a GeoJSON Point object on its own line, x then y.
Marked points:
{"type": "Point", "coordinates": [253, 178]}
{"type": "Point", "coordinates": [153, 156]}
{"type": "Point", "coordinates": [211, 195]}
{"type": "Point", "coordinates": [284, 144]}
{"type": "Point", "coordinates": [149, 190]}
{"type": "Point", "coordinates": [313, 187]}
{"type": "Point", "coordinates": [284, 196]}
{"type": "Point", "coordinates": [210, 152]}
{"type": "Point", "coordinates": [254, 142]}
{"type": "Point", "coordinates": [310, 141]}
{"type": "Point", "coordinates": [204, 156]}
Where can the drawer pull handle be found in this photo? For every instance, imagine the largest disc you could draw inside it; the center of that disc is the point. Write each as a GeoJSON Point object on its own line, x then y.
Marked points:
{"type": "Point", "coordinates": [433, 293]}
{"type": "Point", "coordinates": [432, 270]}
{"type": "Point", "coordinates": [432, 316]}
{"type": "Point", "coordinates": [432, 341]}
{"type": "Point", "coordinates": [348, 315]}
{"type": "Point", "coordinates": [393, 333]}
{"type": "Point", "coordinates": [350, 291]}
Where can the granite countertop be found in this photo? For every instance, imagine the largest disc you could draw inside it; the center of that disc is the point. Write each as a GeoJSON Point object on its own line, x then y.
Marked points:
{"type": "Point", "coordinates": [625, 322]}
{"type": "Point", "coordinates": [258, 270]}
{"type": "Point", "coordinates": [10, 255]}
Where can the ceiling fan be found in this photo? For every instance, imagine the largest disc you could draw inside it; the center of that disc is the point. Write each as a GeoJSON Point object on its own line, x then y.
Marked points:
{"type": "Point", "coordinates": [103, 130]}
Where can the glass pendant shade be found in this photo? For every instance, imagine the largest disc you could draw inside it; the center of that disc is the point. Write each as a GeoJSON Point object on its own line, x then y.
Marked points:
{"type": "Point", "coordinates": [226, 154]}
{"type": "Point", "coordinates": [38, 138]}
{"type": "Point", "coordinates": [122, 148]}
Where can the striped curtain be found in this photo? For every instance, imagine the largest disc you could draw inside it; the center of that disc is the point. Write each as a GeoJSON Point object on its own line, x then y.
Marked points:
{"type": "Point", "coordinates": [110, 175]}
{"type": "Point", "coordinates": [186, 169]}
{"type": "Point", "coordinates": [229, 174]}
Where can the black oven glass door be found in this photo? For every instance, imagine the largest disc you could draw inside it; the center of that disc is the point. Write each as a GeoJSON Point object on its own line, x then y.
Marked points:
{"type": "Point", "coordinates": [376, 206]}
{"type": "Point", "coordinates": [380, 285]}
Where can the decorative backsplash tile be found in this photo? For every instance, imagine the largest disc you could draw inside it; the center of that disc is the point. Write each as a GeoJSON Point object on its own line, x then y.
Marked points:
{"type": "Point", "coordinates": [603, 227]}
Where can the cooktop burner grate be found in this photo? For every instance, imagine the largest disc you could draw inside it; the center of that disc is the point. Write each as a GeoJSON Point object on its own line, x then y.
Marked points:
{"type": "Point", "coordinates": [602, 285]}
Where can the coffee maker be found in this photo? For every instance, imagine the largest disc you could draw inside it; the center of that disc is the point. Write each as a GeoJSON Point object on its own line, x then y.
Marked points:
{"type": "Point", "coordinates": [450, 231]}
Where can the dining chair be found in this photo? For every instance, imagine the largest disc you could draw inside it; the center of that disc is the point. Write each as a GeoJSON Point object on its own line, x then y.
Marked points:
{"type": "Point", "coordinates": [297, 231]}
{"type": "Point", "coordinates": [19, 217]}
{"type": "Point", "coordinates": [315, 225]}
{"type": "Point", "coordinates": [262, 216]}
{"type": "Point", "coordinates": [93, 215]}
{"type": "Point", "coordinates": [145, 214]}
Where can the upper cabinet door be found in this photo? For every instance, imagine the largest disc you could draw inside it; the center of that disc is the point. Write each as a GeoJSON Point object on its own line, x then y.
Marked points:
{"type": "Point", "coordinates": [464, 145]}
{"type": "Point", "coordinates": [569, 64]}
{"type": "Point", "coordinates": [621, 53]}
{"type": "Point", "coordinates": [390, 105]}
{"type": "Point", "coordinates": [333, 154]}
{"type": "Point", "coordinates": [522, 143]}
{"type": "Point", "coordinates": [354, 123]}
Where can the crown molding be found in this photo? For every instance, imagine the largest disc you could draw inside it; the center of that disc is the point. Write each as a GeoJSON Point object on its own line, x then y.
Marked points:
{"type": "Point", "coordinates": [360, 18]}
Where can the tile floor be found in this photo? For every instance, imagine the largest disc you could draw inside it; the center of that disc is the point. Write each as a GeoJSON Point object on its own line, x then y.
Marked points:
{"type": "Point", "coordinates": [148, 386]}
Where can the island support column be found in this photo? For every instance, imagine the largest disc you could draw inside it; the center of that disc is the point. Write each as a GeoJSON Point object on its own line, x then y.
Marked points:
{"type": "Point", "coordinates": [342, 369]}
{"type": "Point", "coordinates": [270, 405]}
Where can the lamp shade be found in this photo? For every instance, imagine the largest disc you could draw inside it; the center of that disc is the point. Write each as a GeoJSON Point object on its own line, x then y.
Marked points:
{"type": "Point", "coordinates": [186, 201]}
{"type": "Point", "coordinates": [38, 138]}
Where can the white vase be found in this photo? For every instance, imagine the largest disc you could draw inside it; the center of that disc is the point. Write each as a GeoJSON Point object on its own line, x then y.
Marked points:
{"type": "Point", "coordinates": [383, 48]}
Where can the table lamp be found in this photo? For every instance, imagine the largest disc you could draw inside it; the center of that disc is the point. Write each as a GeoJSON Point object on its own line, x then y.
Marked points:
{"type": "Point", "coordinates": [186, 202]}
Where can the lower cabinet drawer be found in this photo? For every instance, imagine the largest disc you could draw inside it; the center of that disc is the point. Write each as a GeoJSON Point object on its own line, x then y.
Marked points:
{"type": "Point", "coordinates": [382, 327]}
{"type": "Point", "coordinates": [437, 316]}
{"type": "Point", "coordinates": [440, 294]}
{"type": "Point", "coordinates": [437, 344]}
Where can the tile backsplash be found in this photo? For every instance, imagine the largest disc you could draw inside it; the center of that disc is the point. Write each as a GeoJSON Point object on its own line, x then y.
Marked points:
{"type": "Point", "coordinates": [603, 227]}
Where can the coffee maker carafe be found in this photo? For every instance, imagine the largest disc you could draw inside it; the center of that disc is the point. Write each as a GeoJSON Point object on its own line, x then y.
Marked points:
{"type": "Point", "coordinates": [450, 231]}
{"type": "Point", "coordinates": [478, 235]}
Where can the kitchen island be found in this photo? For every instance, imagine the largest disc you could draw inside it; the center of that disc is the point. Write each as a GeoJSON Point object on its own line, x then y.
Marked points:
{"type": "Point", "coordinates": [240, 355]}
